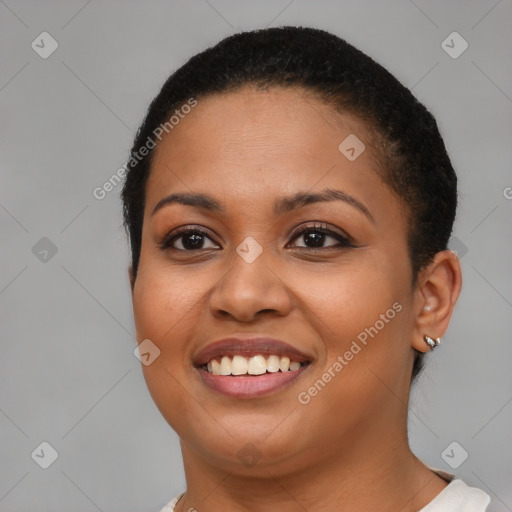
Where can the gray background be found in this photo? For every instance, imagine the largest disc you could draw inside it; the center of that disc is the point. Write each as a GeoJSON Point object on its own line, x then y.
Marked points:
{"type": "Point", "coordinates": [67, 372]}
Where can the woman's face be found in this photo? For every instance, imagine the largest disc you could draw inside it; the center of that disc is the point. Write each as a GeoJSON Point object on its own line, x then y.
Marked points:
{"type": "Point", "coordinates": [329, 278]}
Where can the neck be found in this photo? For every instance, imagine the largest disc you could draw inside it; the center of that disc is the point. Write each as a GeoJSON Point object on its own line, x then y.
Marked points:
{"type": "Point", "coordinates": [374, 466]}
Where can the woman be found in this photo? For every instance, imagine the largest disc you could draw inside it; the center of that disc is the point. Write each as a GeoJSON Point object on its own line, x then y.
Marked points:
{"type": "Point", "coordinates": [289, 205]}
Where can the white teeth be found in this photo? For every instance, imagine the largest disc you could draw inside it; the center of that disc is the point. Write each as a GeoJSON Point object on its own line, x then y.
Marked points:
{"type": "Point", "coordinates": [273, 364]}
{"type": "Point", "coordinates": [225, 366]}
{"type": "Point", "coordinates": [255, 365]}
{"type": "Point", "coordinates": [239, 366]}
{"type": "Point", "coordinates": [215, 367]}
{"type": "Point", "coordinates": [294, 366]}
{"type": "Point", "coordinates": [284, 364]}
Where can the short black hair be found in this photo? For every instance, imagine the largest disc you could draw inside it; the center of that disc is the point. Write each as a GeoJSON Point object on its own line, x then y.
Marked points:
{"type": "Point", "coordinates": [415, 162]}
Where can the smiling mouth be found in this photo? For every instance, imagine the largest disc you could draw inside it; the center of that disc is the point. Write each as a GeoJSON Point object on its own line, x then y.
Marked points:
{"type": "Point", "coordinates": [240, 366]}
{"type": "Point", "coordinates": [252, 376]}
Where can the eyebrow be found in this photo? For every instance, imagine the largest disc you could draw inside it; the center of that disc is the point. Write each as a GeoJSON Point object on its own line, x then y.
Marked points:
{"type": "Point", "coordinates": [281, 206]}
{"type": "Point", "coordinates": [301, 199]}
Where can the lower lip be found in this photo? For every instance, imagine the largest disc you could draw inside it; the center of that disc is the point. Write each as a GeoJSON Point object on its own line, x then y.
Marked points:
{"type": "Point", "coordinates": [250, 386]}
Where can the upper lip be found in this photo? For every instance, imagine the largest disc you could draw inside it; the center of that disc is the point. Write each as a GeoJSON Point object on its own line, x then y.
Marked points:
{"type": "Point", "coordinates": [249, 347]}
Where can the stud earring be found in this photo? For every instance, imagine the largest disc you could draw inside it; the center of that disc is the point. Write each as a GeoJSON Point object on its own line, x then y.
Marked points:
{"type": "Point", "coordinates": [432, 342]}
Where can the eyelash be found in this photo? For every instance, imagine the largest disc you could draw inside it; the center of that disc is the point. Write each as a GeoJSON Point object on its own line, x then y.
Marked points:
{"type": "Point", "coordinates": [185, 230]}
{"type": "Point", "coordinates": [344, 241]}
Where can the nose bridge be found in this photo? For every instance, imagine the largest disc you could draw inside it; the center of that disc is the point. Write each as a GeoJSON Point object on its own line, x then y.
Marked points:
{"type": "Point", "coordinates": [249, 286]}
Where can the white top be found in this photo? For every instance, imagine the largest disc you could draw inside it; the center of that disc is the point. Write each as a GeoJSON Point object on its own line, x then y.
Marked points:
{"type": "Point", "coordinates": [457, 496]}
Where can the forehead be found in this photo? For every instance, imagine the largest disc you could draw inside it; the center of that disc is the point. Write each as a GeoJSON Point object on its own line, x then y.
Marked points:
{"type": "Point", "coordinates": [252, 145]}
{"type": "Point", "coordinates": [282, 120]}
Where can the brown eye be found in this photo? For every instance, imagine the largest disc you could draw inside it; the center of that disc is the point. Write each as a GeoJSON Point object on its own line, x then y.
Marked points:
{"type": "Point", "coordinates": [315, 237]}
{"type": "Point", "coordinates": [188, 239]}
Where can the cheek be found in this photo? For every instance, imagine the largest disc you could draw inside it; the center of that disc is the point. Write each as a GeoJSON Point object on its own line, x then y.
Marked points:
{"type": "Point", "coordinates": [154, 305]}
{"type": "Point", "coordinates": [162, 301]}
{"type": "Point", "coordinates": [164, 313]}
{"type": "Point", "coordinates": [342, 302]}
{"type": "Point", "coordinates": [363, 316]}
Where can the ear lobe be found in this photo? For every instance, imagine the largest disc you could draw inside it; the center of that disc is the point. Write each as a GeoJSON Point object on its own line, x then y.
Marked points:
{"type": "Point", "coordinates": [437, 292]}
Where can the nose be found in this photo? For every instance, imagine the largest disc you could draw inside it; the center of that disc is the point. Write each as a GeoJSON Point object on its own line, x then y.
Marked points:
{"type": "Point", "coordinates": [249, 290]}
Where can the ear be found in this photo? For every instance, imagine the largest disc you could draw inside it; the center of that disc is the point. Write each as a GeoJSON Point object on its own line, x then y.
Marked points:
{"type": "Point", "coordinates": [131, 277]}
{"type": "Point", "coordinates": [437, 291]}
